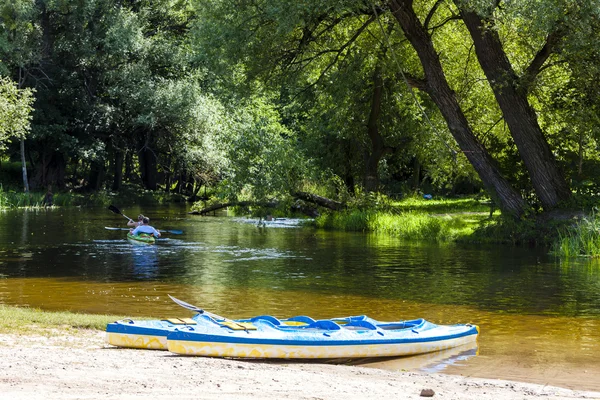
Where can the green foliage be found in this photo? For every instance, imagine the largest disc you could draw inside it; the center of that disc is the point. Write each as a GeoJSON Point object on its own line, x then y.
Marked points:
{"type": "Point", "coordinates": [15, 111]}
{"type": "Point", "coordinates": [10, 174]}
{"type": "Point", "coordinates": [581, 239]}
{"type": "Point", "coordinates": [262, 160]}
{"type": "Point", "coordinates": [129, 195]}
{"type": "Point", "coordinates": [265, 97]}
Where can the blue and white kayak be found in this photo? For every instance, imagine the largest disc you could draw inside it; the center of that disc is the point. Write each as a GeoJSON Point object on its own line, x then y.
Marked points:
{"type": "Point", "coordinates": [152, 334]}
{"type": "Point", "coordinates": [142, 334]}
{"type": "Point", "coordinates": [348, 337]}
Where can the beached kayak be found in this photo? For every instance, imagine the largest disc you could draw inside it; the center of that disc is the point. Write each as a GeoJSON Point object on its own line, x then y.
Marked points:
{"type": "Point", "coordinates": [152, 334]}
{"type": "Point", "coordinates": [348, 337]}
{"type": "Point", "coordinates": [141, 239]}
{"type": "Point", "coordinates": [265, 336]}
{"type": "Point", "coordinates": [142, 334]}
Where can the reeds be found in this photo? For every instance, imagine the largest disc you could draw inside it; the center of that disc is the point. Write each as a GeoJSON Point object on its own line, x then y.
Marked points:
{"type": "Point", "coordinates": [579, 240]}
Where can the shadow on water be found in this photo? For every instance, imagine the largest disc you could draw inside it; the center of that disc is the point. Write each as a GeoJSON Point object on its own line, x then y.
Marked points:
{"type": "Point", "coordinates": [539, 316]}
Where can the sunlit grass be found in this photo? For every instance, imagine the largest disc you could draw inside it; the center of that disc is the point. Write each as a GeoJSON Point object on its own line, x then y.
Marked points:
{"type": "Point", "coordinates": [20, 320]}
{"type": "Point", "coordinates": [440, 205]}
{"type": "Point", "coordinates": [411, 224]}
{"type": "Point", "coordinates": [579, 240]}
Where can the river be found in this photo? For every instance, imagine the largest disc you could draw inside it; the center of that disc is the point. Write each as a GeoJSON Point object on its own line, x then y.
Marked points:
{"type": "Point", "coordinates": [539, 315]}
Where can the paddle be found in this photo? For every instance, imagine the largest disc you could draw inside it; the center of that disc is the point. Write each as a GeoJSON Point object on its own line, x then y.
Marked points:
{"type": "Point", "coordinates": [194, 308]}
{"type": "Point", "coordinates": [117, 211]}
{"type": "Point", "coordinates": [174, 231]}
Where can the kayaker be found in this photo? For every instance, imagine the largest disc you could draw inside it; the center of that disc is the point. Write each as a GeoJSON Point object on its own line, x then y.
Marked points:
{"type": "Point", "coordinates": [145, 228]}
{"type": "Point", "coordinates": [137, 223]}
{"type": "Point", "coordinates": [48, 197]}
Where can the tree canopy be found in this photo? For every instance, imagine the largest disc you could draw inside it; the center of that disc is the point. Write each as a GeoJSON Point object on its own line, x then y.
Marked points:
{"type": "Point", "coordinates": [15, 111]}
{"type": "Point", "coordinates": [259, 99]}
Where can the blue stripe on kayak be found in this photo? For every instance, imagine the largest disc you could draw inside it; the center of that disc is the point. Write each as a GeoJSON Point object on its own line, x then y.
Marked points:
{"type": "Point", "coordinates": [320, 340]}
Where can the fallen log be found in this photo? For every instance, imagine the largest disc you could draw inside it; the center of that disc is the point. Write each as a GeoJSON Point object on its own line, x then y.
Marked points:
{"type": "Point", "coordinates": [304, 196]}
{"type": "Point", "coordinates": [220, 206]}
{"type": "Point", "coordinates": [319, 200]}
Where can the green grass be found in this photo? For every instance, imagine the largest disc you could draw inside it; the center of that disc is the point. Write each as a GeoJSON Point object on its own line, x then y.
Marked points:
{"type": "Point", "coordinates": [440, 205]}
{"type": "Point", "coordinates": [579, 240]}
{"type": "Point", "coordinates": [129, 195]}
{"type": "Point", "coordinates": [439, 220]}
{"type": "Point", "coordinates": [22, 320]}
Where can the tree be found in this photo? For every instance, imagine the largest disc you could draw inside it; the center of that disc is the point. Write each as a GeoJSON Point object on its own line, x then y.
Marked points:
{"type": "Point", "coordinates": [262, 162]}
{"type": "Point", "coordinates": [436, 85]}
{"type": "Point", "coordinates": [15, 111]}
{"type": "Point", "coordinates": [511, 92]}
{"type": "Point", "coordinates": [19, 44]}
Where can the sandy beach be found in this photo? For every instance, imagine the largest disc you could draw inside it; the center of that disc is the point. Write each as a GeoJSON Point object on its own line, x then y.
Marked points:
{"type": "Point", "coordinates": [79, 365]}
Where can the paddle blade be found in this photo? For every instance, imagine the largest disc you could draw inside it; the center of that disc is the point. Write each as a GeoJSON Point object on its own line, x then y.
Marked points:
{"type": "Point", "coordinates": [196, 309]}
{"type": "Point", "coordinates": [114, 209]}
{"type": "Point", "coordinates": [173, 231]}
{"type": "Point", "coordinates": [110, 228]}
{"type": "Point", "coordinates": [186, 305]}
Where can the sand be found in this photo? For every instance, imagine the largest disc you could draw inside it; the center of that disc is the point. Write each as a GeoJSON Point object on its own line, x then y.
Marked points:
{"type": "Point", "coordinates": [79, 365]}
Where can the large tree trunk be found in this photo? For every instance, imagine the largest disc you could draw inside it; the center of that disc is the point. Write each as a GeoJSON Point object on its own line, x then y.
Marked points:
{"type": "Point", "coordinates": [510, 201]}
{"type": "Point", "coordinates": [50, 170]}
{"type": "Point", "coordinates": [118, 161]}
{"type": "Point", "coordinates": [96, 177]}
{"type": "Point", "coordinates": [127, 176]}
{"type": "Point", "coordinates": [24, 167]}
{"type": "Point", "coordinates": [416, 181]}
{"type": "Point", "coordinates": [148, 166]}
{"type": "Point", "coordinates": [550, 186]}
{"type": "Point", "coordinates": [378, 149]}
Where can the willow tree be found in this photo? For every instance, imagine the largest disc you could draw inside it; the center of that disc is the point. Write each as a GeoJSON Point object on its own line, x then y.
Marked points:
{"type": "Point", "coordinates": [511, 93]}
{"type": "Point", "coordinates": [329, 65]}
{"type": "Point", "coordinates": [319, 35]}
{"type": "Point", "coordinates": [437, 86]}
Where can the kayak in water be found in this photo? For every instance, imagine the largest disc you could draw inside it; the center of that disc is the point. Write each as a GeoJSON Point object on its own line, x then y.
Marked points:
{"type": "Point", "coordinates": [141, 239]}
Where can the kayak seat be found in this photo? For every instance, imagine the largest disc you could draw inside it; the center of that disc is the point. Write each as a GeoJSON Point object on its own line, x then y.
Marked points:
{"type": "Point", "coordinates": [269, 318]}
{"type": "Point", "coordinates": [181, 321]}
{"type": "Point", "coordinates": [299, 320]}
{"type": "Point", "coordinates": [360, 325]}
{"type": "Point", "coordinates": [324, 324]}
{"type": "Point", "coordinates": [401, 324]}
{"type": "Point", "coordinates": [238, 326]}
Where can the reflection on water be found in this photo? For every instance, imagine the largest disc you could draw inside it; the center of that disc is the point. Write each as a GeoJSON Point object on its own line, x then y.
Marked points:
{"type": "Point", "coordinates": [430, 362]}
{"type": "Point", "coordinates": [533, 310]}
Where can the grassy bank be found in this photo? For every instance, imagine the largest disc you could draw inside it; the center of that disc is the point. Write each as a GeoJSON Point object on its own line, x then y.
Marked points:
{"type": "Point", "coordinates": [467, 220]}
{"type": "Point", "coordinates": [440, 220]}
{"type": "Point", "coordinates": [128, 195]}
{"type": "Point", "coordinates": [22, 320]}
{"type": "Point", "coordinates": [579, 240]}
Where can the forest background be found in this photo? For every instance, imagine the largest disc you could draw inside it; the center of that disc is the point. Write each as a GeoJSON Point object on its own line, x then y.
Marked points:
{"type": "Point", "coordinates": [350, 104]}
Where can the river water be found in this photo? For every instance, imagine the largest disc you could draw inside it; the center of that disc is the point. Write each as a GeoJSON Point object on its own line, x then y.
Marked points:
{"type": "Point", "coordinates": [539, 315]}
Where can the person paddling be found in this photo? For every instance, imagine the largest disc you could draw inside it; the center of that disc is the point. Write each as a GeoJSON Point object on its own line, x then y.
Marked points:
{"type": "Point", "coordinates": [145, 228]}
{"type": "Point", "coordinates": [137, 223]}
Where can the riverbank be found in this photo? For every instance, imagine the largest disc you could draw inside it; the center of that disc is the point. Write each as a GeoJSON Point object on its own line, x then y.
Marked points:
{"type": "Point", "coordinates": [52, 364]}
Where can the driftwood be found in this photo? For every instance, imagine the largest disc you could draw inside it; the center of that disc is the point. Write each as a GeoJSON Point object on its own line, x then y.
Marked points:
{"type": "Point", "coordinates": [219, 206]}
{"type": "Point", "coordinates": [319, 200]}
{"type": "Point", "coordinates": [308, 197]}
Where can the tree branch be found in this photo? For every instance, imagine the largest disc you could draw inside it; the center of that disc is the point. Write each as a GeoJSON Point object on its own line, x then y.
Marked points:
{"type": "Point", "coordinates": [431, 13]}
{"type": "Point", "coordinates": [536, 65]}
